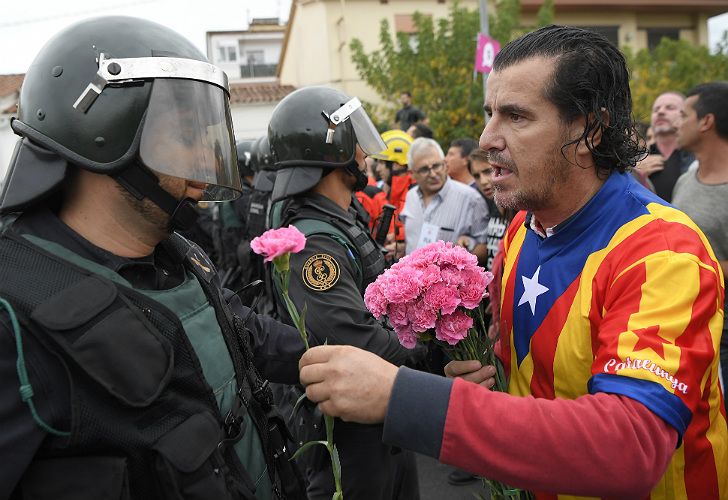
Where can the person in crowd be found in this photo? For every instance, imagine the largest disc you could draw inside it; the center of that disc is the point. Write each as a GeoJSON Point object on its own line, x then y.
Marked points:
{"type": "Point", "coordinates": [612, 307]}
{"type": "Point", "coordinates": [127, 371]}
{"type": "Point", "coordinates": [439, 208]}
{"type": "Point", "coordinates": [457, 161]}
{"type": "Point", "coordinates": [499, 217]}
{"type": "Point", "coordinates": [408, 114]}
{"type": "Point", "coordinates": [702, 192]}
{"type": "Point", "coordinates": [392, 168]}
{"type": "Point", "coordinates": [230, 235]}
{"type": "Point", "coordinates": [317, 173]}
{"type": "Point", "coordinates": [420, 129]}
{"type": "Point", "coordinates": [660, 169]}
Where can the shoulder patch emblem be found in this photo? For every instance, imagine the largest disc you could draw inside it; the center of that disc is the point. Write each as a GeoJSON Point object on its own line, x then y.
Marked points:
{"type": "Point", "coordinates": [320, 272]}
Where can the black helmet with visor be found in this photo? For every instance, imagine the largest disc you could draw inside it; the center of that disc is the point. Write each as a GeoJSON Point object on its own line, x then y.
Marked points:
{"type": "Point", "coordinates": [314, 129]}
{"type": "Point", "coordinates": [128, 98]}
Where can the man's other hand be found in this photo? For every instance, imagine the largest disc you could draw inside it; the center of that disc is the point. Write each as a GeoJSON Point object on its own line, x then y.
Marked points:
{"type": "Point", "coordinates": [472, 371]}
{"type": "Point", "coordinates": [348, 382]}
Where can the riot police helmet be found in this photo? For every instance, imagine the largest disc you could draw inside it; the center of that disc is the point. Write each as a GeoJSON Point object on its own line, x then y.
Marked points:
{"type": "Point", "coordinates": [128, 98]}
{"type": "Point", "coordinates": [315, 129]}
{"type": "Point", "coordinates": [245, 157]}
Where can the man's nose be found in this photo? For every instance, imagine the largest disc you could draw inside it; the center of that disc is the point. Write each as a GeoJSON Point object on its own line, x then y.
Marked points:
{"type": "Point", "coordinates": [491, 137]}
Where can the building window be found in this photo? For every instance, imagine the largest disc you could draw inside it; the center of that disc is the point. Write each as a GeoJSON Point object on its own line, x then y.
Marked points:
{"type": "Point", "coordinates": [227, 53]}
{"type": "Point", "coordinates": [611, 33]}
{"type": "Point", "coordinates": [254, 56]}
{"type": "Point", "coordinates": [655, 35]}
{"type": "Point", "coordinates": [405, 23]}
{"type": "Point", "coordinates": [256, 66]}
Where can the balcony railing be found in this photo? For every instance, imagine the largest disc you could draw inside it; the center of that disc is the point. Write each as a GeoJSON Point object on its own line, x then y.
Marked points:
{"type": "Point", "coordinates": [257, 70]}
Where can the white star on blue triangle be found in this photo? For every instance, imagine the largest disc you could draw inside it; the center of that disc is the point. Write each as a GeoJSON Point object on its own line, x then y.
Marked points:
{"type": "Point", "coordinates": [531, 290]}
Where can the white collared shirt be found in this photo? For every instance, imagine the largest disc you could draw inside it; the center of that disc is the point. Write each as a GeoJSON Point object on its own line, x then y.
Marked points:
{"type": "Point", "coordinates": [456, 210]}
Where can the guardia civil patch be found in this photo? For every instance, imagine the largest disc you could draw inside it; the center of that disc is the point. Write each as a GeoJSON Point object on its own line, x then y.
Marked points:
{"type": "Point", "coordinates": [320, 272]}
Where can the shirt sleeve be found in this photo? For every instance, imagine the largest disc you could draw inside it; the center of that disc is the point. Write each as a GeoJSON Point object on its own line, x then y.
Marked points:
{"type": "Point", "coordinates": [335, 310]}
{"type": "Point", "coordinates": [277, 347]}
{"type": "Point", "coordinates": [533, 444]}
{"type": "Point", "coordinates": [660, 332]}
{"type": "Point", "coordinates": [478, 213]}
{"type": "Point", "coordinates": [407, 205]}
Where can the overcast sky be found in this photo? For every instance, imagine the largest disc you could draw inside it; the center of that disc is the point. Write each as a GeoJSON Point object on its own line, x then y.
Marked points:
{"type": "Point", "coordinates": [26, 26]}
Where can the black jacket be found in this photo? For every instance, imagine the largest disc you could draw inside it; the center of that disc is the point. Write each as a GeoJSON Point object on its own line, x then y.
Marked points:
{"type": "Point", "coordinates": [276, 348]}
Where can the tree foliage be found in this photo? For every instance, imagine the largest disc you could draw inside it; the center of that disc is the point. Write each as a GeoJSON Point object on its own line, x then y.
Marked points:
{"type": "Point", "coordinates": [673, 65]}
{"type": "Point", "coordinates": [436, 65]}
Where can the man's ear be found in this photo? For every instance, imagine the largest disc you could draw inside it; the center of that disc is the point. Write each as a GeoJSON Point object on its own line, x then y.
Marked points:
{"type": "Point", "coordinates": [595, 136]}
{"type": "Point", "coordinates": [706, 123]}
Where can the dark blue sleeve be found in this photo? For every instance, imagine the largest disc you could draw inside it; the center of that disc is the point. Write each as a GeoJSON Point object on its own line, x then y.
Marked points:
{"type": "Point", "coordinates": [276, 347]}
{"type": "Point", "coordinates": [417, 410]}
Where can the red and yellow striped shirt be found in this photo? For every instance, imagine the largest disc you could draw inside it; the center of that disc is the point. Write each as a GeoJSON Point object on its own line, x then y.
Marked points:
{"type": "Point", "coordinates": [626, 297]}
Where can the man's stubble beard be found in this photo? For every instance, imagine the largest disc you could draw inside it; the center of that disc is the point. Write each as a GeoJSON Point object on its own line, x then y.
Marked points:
{"type": "Point", "coordinates": [159, 221]}
{"type": "Point", "coordinates": [539, 197]}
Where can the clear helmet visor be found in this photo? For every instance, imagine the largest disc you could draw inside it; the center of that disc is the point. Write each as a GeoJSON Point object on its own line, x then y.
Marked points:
{"type": "Point", "coordinates": [366, 133]}
{"type": "Point", "coordinates": [188, 134]}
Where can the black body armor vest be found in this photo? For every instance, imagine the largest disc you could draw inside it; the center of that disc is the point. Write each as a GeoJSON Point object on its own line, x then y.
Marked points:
{"type": "Point", "coordinates": [144, 422]}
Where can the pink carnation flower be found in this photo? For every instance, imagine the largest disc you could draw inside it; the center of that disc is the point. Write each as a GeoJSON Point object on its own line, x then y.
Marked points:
{"type": "Point", "coordinates": [375, 301]}
{"type": "Point", "coordinates": [452, 328]}
{"type": "Point", "coordinates": [430, 275]}
{"type": "Point", "coordinates": [474, 286]}
{"type": "Point", "coordinates": [397, 314]}
{"type": "Point", "coordinates": [422, 317]}
{"type": "Point", "coordinates": [401, 285]}
{"type": "Point", "coordinates": [430, 254]}
{"type": "Point", "coordinates": [277, 242]}
{"type": "Point", "coordinates": [457, 257]}
{"type": "Point", "coordinates": [407, 337]}
{"type": "Point", "coordinates": [451, 276]}
{"type": "Point", "coordinates": [442, 297]}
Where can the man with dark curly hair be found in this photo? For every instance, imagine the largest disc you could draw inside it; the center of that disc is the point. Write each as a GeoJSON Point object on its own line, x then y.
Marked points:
{"type": "Point", "coordinates": [611, 308]}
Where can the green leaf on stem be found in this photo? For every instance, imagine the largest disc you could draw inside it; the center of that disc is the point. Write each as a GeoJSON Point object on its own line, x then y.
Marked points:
{"type": "Point", "coordinates": [336, 462]}
{"type": "Point", "coordinates": [306, 446]}
{"type": "Point", "coordinates": [299, 401]}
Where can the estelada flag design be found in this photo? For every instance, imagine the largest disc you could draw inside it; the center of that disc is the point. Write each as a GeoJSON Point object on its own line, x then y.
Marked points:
{"type": "Point", "coordinates": [626, 297]}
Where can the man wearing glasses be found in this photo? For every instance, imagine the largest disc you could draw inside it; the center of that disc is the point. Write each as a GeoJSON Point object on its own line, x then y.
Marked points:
{"type": "Point", "coordinates": [439, 208]}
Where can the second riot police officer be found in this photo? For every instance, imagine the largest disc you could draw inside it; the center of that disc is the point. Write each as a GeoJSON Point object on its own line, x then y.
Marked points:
{"type": "Point", "coordinates": [319, 138]}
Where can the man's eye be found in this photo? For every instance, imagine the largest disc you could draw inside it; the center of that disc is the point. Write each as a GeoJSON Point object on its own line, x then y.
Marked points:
{"type": "Point", "coordinates": [515, 117]}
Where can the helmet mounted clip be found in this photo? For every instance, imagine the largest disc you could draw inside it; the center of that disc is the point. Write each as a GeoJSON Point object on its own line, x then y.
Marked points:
{"type": "Point", "coordinates": [339, 116]}
{"type": "Point", "coordinates": [133, 69]}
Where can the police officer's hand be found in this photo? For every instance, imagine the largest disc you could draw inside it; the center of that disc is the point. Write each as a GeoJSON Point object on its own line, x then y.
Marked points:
{"type": "Point", "coordinates": [394, 247]}
{"type": "Point", "coordinates": [348, 382]}
{"type": "Point", "coordinates": [472, 371]}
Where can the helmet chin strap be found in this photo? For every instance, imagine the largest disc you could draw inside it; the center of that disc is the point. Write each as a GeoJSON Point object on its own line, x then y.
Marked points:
{"type": "Point", "coordinates": [361, 178]}
{"type": "Point", "coordinates": [141, 183]}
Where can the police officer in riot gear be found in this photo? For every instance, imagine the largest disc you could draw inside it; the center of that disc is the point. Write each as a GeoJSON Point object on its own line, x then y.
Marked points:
{"type": "Point", "coordinates": [319, 138]}
{"type": "Point", "coordinates": [124, 372]}
{"type": "Point", "coordinates": [257, 215]}
{"type": "Point", "coordinates": [231, 235]}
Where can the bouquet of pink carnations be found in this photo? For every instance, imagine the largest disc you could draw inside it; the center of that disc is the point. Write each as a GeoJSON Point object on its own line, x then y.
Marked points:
{"type": "Point", "coordinates": [436, 294]}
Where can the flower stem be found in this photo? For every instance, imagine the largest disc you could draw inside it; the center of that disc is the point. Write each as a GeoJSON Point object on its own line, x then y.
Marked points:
{"type": "Point", "coordinates": [299, 320]}
{"type": "Point", "coordinates": [478, 345]}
